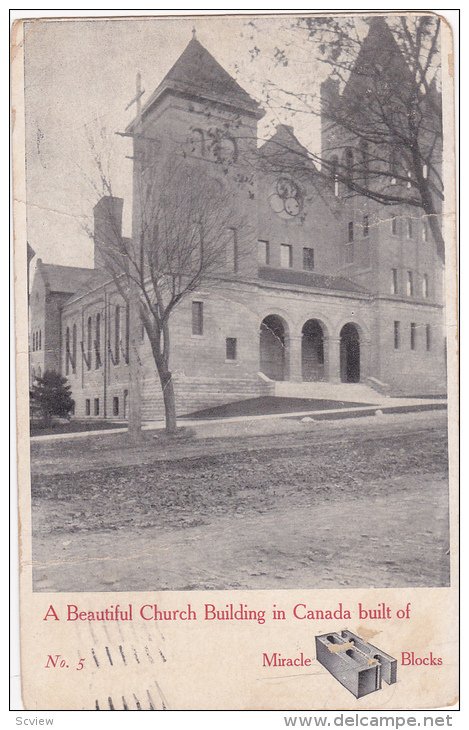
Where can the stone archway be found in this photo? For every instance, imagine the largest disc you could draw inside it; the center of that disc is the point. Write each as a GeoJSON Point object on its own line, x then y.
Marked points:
{"type": "Point", "coordinates": [349, 353]}
{"type": "Point", "coordinates": [312, 351]}
{"type": "Point", "coordinates": [273, 345]}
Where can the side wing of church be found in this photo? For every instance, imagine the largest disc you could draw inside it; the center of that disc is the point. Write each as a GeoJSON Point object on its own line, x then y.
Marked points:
{"type": "Point", "coordinates": [319, 293]}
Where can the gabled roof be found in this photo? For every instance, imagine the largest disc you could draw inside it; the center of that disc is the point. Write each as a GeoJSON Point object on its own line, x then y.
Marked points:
{"type": "Point", "coordinates": [98, 278]}
{"type": "Point", "coordinates": [284, 147]}
{"type": "Point", "coordinates": [378, 52]}
{"type": "Point", "coordinates": [311, 279]}
{"type": "Point", "coordinates": [65, 279]}
{"type": "Point", "coordinates": [197, 74]}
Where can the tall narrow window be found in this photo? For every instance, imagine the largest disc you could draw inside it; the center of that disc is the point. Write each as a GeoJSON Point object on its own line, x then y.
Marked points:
{"type": "Point", "coordinates": [394, 283]}
{"type": "Point", "coordinates": [394, 228]}
{"type": "Point", "coordinates": [366, 226]}
{"type": "Point", "coordinates": [96, 406]}
{"type": "Point", "coordinates": [334, 174]}
{"type": "Point", "coordinates": [74, 348]}
{"type": "Point", "coordinates": [40, 339]}
{"type": "Point", "coordinates": [87, 407]}
{"type": "Point", "coordinates": [428, 337]}
{"type": "Point", "coordinates": [197, 318]}
{"type": "Point", "coordinates": [127, 332]}
{"type": "Point", "coordinates": [67, 350]}
{"type": "Point", "coordinates": [350, 232]}
{"type": "Point", "coordinates": [89, 344]}
{"type": "Point", "coordinates": [410, 284]}
{"type": "Point", "coordinates": [410, 228]}
{"type": "Point", "coordinates": [117, 334]}
{"type": "Point", "coordinates": [413, 336]}
{"type": "Point", "coordinates": [397, 335]}
{"type": "Point", "coordinates": [286, 256]}
{"type": "Point", "coordinates": [425, 287]}
{"type": "Point", "coordinates": [232, 250]}
{"type": "Point", "coordinates": [263, 252]}
{"type": "Point", "coordinates": [364, 149]}
{"type": "Point", "coordinates": [424, 231]}
{"type": "Point", "coordinates": [97, 342]}
{"type": "Point", "coordinates": [115, 406]}
{"type": "Point", "coordinates": [349, 164]}
{"type": "Point", "coordinates": [308, 259]}
{"type": "Point", "coordinates": [230, 348]}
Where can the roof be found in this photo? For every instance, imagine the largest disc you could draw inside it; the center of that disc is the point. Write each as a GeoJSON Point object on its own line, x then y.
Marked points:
{"type": "Point", "coordinates": [311, 279]}
{"type": "Point", "coordinates": [284, 147]}
{"type": "Point", "coordinates": [93, 282]}
{"type": "Point", "coordinates": [66, 279]}
{"type": "Point", "coordinates": [196, 73]}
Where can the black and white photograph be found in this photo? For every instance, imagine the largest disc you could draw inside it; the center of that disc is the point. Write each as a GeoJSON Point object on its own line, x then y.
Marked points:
{"type": "Point", "coordinates": [238, 337]}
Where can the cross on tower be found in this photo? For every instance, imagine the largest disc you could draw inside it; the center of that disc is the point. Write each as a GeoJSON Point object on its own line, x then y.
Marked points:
{"type": "Point", "coordinates": [139, 92]}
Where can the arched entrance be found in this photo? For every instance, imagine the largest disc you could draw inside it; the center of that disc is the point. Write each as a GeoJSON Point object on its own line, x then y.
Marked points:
{"type": "Point", "coordinates": [312, 351]}
{"type": "Point", "coordinates": [272, 347]}
{"type": "Point", "coordinates": [349, 354]}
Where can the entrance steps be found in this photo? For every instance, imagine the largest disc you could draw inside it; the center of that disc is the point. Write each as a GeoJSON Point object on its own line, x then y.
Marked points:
{"type": "Point", "coordinates": [348, 392]}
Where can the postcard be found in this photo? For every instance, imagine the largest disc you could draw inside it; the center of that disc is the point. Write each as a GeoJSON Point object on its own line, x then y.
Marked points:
{"type": "Point", "coordinates": [236, 352]}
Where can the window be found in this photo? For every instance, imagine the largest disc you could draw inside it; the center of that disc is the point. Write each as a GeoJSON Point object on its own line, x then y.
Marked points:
{"type": "Point", "coordinates": [96, 406]}
{"type": "Point", "coordinates": [428, 337]}
{"type": "Point", "coordinates": [115, 406]}
{"type": "Point", "coordinates": [263, 252]}
{"type": "Point", "coordinates": [74, 349]}
{"type": "Point", "coordinates": [232, 250]}
{"type": "Point", "coordinates": [308, 259]}
{"type": "Point", "coordinates": [410, 228]}
{"type": "Point", "coordinates": [349, 248]}
{"type": "Point", "coordinates": [397, 335]}
{"type": "Point", "coordinates": [67, 350]}
{"type": "Point", "coordinates": [286, 256]}
{"type": "Point", "coordinates": [350, 232]}
{"type": "Point", "coordinates": [117, 334]}
{"type": "Point", "coordinates": [410, 284]}
{"type": "Point", "coordinates": [394, 227]}
{"type": "Point", "coordinates": [87, 407]}
{"type": "Point", "coordinates": [89, 344]}
{"type": "Point", "coordinates": [394, 282]}
{"type": "Point", "coordinates": [366, 226]}
{"type": "Point", "coordinates": [425, 287]}
{"type": "Point", "coordinates": [197, 318]}
{"type": "Point", "coordinates": [349, 164]}
{"type": "Point", "coordinates": [335, 177]}
{"type": "Point", "coordinates": [413, 336]}
{"type": "Point", "coordinates": [393, 165]}
{"type": "Point", "coordinates": [364, 149]}
{"type": "Point", "coordinates": [424, 231]}
{"type": "Point", "coordinates": [127, 332]}
{"type": "Point", "coordinates": [40, 339]}
{"type": "Point", "coordinates": [97, 342]}
{"type": "Point", "coordinates": [231, 348]}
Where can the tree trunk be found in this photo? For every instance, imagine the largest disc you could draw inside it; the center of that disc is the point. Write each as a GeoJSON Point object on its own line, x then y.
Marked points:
{"type": "Point", "coordinates": [135, 396]}
{"type": "Point", "coordinates": [169, 401]}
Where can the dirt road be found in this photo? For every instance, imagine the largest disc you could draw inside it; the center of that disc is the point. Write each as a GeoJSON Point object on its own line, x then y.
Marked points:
{"type": "Point", "coordinates": [353, 507]}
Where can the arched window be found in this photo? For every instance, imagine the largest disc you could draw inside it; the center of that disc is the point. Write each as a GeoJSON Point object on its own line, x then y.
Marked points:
{"type": "Point", "coordinates": [117, 334]}
{"type": "Point", "coordinates": [89, 344]}
{"type": "Point", "coordinates": [365, 162]}
{"type": "Point", "coordinates": [349, 164]}
{"type": "Point", "coordinates": [74, 349]}
{"type": "Point", "coordinates": [67, 350]}
{"type": "Point", "coordinates": [334, 174]}
{"type": "Point", "coordinates": [98, 341]}
{"type": "Point", "coordinates": [40, 339]}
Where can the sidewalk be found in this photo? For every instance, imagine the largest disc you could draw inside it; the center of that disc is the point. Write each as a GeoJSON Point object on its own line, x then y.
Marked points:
{"type": "Point", "coordinates": [388, 405]}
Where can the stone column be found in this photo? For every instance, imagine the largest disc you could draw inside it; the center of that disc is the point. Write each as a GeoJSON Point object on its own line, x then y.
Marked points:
{"type": "Point", "coordinates": [332, 359]}
{"type": "Point", "coordinates": [293, 360]}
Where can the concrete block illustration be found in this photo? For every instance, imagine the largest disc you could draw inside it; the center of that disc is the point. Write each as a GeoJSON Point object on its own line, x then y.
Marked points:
{"type": "Point", "coordinates": [358, 665]}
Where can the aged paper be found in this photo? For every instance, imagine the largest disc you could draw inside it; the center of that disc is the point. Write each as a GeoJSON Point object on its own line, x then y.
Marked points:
{"type": "Point", "coordinates": [235, 268]}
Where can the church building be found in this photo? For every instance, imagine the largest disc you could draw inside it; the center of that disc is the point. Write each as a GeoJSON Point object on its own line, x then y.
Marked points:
{"type": "Point", "coordinates": [320, 292]}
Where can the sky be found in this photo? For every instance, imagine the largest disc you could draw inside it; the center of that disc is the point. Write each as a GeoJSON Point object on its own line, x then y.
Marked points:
{"type": "Point", "coordinates": [80, 76]}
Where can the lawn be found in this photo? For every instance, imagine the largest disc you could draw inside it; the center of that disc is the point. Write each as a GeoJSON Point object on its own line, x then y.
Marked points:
{"type": "Point", "coordinates": [268, 405]}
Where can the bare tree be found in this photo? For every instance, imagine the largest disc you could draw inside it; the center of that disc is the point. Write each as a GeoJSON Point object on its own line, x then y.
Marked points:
{"type": "Point", "coordinates": [380, 107]}
{"type": "Point", "coordinates": [187, 229]}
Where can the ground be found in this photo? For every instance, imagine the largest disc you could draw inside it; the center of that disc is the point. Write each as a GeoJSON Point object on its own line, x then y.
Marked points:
{"type": "Point", "coordinates": [273, 504]}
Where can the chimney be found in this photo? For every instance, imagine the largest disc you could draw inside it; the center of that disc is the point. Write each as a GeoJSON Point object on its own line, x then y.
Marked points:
{"type": "Point", "coordinates": [107, 228]}
{"type": "Point", "coordinates": [330, 96]}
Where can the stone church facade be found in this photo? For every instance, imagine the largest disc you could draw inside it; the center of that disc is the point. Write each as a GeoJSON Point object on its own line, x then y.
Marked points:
{"type": "Point", "coordinates": [325, 288]}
